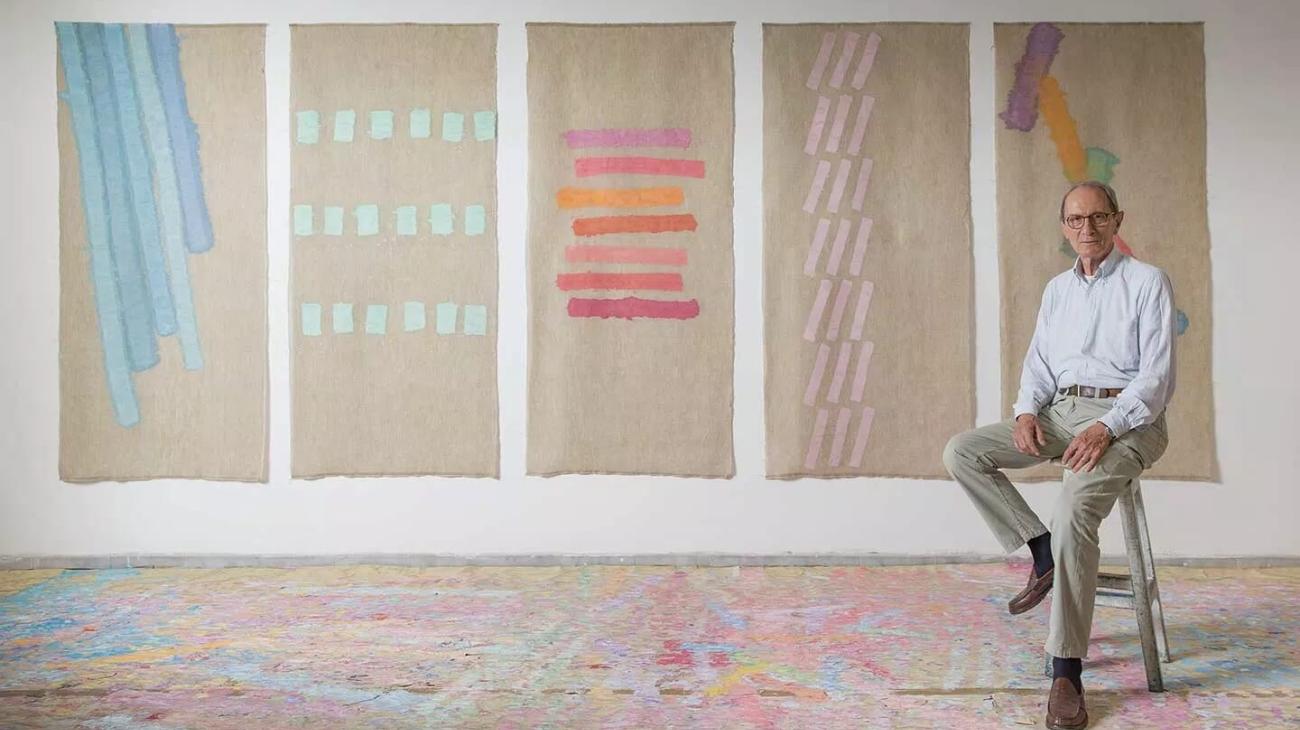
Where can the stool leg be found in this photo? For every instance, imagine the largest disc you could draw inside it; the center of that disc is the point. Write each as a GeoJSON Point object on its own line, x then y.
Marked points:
{"type": "Point", "coordinates": [1157, 610]}
{"type": "Point", "coordinates": [1141, 597]}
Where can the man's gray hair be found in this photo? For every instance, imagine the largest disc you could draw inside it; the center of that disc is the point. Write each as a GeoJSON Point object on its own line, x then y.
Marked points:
{"type": "Point", "coordinates": [1105, 189]}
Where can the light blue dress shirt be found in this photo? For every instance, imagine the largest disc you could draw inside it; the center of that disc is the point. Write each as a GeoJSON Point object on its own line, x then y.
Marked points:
{"type": "Point", "coordinates": [1112, 330]}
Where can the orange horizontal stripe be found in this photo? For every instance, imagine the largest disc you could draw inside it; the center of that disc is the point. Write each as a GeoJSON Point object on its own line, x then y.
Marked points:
{"type": "Point", "coordinates": [599, 280]}
{"type": "Point", "coordinates": [633, 224]}
{"type": "Point", "coordinates": [618, 197]}
{"type": "Point", "coordinates": [626, 255]}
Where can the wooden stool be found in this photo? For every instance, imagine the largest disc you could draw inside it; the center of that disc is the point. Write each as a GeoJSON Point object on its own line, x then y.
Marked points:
{"type": "Point", "coordinates": [1138, 591]}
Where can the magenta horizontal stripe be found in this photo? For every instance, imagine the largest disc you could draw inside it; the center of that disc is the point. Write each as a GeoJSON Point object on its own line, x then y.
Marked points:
{"type": "Point", "coordinates": [672, 137]}
{"type": "Point", "coordinates": [589, 166]}
{"type": "Point", "coordinates": [634, 308]}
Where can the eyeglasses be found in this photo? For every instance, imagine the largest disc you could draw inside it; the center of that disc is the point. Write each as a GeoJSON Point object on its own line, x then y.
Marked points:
{"type": "Point", "coordinates": [1099, 220]}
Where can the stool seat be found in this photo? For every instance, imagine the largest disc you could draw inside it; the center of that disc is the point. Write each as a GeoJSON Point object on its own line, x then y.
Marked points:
{"type": "Point", "coordinates": [1137, 591]}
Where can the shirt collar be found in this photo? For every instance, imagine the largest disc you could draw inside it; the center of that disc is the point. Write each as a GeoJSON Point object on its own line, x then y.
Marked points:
{"type": "Point", "coordinates": [1108, 265]}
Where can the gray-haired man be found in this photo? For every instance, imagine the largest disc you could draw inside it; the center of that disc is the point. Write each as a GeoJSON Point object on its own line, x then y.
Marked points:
{"type": "Point", "coordinates": [1093, 390]}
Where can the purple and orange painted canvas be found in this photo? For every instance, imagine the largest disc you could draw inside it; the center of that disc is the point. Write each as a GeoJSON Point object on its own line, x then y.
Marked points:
{"type": "Point", "coordinates": [1124, 104]}
{"type": "Point", "coordinates": [867, 248]}
{"type": "Point", "coordinates": [630, 249]}
{"type": "Point", "coordinates": [163, 252]}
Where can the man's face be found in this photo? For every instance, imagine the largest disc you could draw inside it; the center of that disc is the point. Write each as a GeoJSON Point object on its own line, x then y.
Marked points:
{"type": "Point", "coordinates": [1090, 240]}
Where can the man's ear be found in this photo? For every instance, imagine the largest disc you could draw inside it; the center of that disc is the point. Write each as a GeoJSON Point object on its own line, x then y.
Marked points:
{"type": "Point", "coordinates": [1119, 218]}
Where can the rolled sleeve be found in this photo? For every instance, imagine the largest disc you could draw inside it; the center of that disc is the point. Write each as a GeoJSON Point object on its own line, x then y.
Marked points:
{"type": "Point", "coordinates": [1146, 397]}
{"type": "Point", "coordinates": [1037, 384]}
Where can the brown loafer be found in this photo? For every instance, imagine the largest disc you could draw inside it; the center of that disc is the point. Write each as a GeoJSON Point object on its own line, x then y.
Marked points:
{"type": "Point", "coordinates": [1065, 710]}
{"type": "Point", "coordinates": [1035, 590]}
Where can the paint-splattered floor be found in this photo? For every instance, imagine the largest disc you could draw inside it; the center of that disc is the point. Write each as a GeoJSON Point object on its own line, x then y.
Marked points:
{"type": "Point", "coordinates": [597, 647]}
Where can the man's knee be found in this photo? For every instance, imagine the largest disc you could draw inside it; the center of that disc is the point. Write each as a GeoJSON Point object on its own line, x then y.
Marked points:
{"type": "Point", "coordinates": [959, 452]}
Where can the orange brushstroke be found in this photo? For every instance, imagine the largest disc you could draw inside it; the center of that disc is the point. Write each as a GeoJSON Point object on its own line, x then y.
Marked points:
{"type": "Point", "coordinates": [618, 197]}
{"type": "Point", "coordinates": [1064, 131]}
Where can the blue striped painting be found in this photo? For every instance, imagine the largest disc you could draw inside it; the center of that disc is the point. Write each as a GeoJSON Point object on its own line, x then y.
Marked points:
{"type": "Point", "coordinates": [141, 192]}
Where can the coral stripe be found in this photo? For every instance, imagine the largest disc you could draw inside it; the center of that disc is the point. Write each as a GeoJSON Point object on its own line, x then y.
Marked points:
{"type": "Point", "coordinates": [589, 166]}
{"type": "Point", "coordinates": [604, 280]}
{"type": "Point", "coordinates": [626, 255]}
{"type": "Point", "coordinates": [604, 225]}
{"type": "Point", "coordinates": [634, 308]}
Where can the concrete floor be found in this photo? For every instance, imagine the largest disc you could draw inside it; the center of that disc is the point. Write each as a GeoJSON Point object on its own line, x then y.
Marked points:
{"type": "Point", "coordinates": [612, 646]}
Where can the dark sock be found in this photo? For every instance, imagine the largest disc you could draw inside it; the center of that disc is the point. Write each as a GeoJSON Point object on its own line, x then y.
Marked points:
{"type": "Point", "coordinates": [1071, 669]}
{"type": "Point", "coordinates": [1041, 547]}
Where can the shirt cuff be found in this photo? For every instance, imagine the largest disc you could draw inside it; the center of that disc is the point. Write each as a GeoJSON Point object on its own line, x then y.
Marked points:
{"type": "Point", "coordinates": [1022, 408]}
{"type": "Point", "coordinates": [1117, 424]}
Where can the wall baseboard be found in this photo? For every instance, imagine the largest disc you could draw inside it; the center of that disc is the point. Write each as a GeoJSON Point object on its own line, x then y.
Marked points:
{"type": "Point", "coordinates": [694, 560]}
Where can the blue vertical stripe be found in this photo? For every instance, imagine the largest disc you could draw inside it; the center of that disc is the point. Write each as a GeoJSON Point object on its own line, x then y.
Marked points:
{"type": "Point", "coordinates": [184, 137]}
{"type": "Point", "coordinates": [140, 180]}
{"type": "Point", "coordinates": [121, 390]}
{"type": "Point", "coordinates": [137, 315]}
{"type": "Point", "coordinates": [169, 197]}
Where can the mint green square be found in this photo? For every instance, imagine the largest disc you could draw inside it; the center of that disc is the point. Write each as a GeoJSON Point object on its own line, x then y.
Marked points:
{"type": "Point", "coordinates": [381, 124]}
{"type": "Point", "coordinates": [441, 219]}
{"type": "Point", "coordinates": [475, 319]}
{"type": "Point", "coordinates": [413, 316]}
{"type": "Point", "coordinates": [311, 319]}
{"type": "Point", "coordinates": [302, 223]}
{"type": "Point", "coordinates": [475, 220]}
{"type": "Point", "coordinates": [421, 123]}
{"type": "Point", "coordinates": [333, 220]}
{"type": "Point", "coordinates": [445, 322]}
{"type": "Point", "coordinates": [485, 125]}
{"type": "Point", "coordinates": [308, 127]}
{"type": "Point", "coordinates": [342, 319]}
{"type": "Point", "coordinates": [406, 220]}
{"type": "Point", "coordinates": [345, 125]}
{"type": "Point", "coordinates": [376, 319]}
{"type": "Point", "coordinates": [453, 126]}
{"type": "Point", "coordinates": [367, 219]}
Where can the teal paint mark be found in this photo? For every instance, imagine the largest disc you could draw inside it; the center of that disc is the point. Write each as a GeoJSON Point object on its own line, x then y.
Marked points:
{"type": "Point", "coordinates": [445, 318]}
{"type": "Point", "coordinates": [485, 125]}
{"type": "Point", "coordinates": [112, 335]}
{"type": "Point", "coordinates": [475, 319]}
{"type": "Point", "coordinates": [170, 217]}
{"type": "Point", "coordinates": [1101, 164]}
{"type": "Point", "coordinates": [376, 319]}
{"type": "Point", "coordinates": [381, 124]}
{"type": "Point", "coordinates": [406, 220]}
{"type": "Point", "coordinates": [475, 220]}
{"type": "Point", "coordinates": [453, 126]}
{"type": "Point", "coordinates": [421, 123]}
{"type": "Point", "coordinates": [413, 316]}
{"type": "Point", "coordinates": [302, 220]}
{"type": "Point", "coordinates": [140, 177]}
{"type": "Point", "coordinates": [308, 127]}
{"type": "Point", "coordinates": [165, 47]}
{"type": "Point", "coordinates": [1182, 321]}
{"type": "Point", "coordinates": [341, 316]}
{"type": "Point", "coordinates": [333, 225]}
{"type": "Point", "coordinates": [367, 219]}
{"type": "Point", "coordinates": [441, 219]}
{"type": "Point", "coordinates": [345, 125]}
{"type": "Point", "coordinates": [311, 316]}
{"type": "Point", "coordinates": [136, 311]}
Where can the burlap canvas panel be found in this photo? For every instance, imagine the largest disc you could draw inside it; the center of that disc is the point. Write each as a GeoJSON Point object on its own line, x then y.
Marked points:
{"type": "Point", "coordinates": [162, 252]}
{"type": "Point", "coordinates": [867, 247]}
{"type": "Point", "coordinates": [394, 252]}
{"type": "Point", "coordinates": [1124, 103]}
{"type": "Point", "coordinates": [630, 249]}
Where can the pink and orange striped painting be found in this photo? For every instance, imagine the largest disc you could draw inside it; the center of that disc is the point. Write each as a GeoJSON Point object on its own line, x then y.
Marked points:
{"type": "Point", "coordinates": [630, 262]}
{"type": "Point", "coordinates": [867, 248]}
{"type": "Point", "coordinates": [658, 197]}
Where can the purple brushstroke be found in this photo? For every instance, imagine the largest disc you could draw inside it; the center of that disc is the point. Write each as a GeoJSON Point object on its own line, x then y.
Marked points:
{"type": "Point", "coordinates": [1022, 102]}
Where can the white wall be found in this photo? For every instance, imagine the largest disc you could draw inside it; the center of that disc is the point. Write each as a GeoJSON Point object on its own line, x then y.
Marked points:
{"type": "Point", "coordinates": [1253, 97]}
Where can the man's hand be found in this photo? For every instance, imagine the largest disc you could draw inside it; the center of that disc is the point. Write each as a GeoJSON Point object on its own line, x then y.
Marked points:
{"type": "Point", "coordinates": [1086, 449]}
{"type": "Point", "coordinates": [1028, 435]}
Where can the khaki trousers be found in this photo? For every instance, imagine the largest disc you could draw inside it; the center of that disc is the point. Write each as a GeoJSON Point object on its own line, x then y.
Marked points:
{"type": "Point", "coordinates": [976, 459]}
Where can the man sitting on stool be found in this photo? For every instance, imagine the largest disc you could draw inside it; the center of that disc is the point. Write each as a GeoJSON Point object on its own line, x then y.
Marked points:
{"type": "Point", "coordinates": [1093, 391]}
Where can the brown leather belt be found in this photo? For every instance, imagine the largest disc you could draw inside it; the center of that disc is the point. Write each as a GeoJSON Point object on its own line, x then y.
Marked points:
{"type": "Point", "coordinates": [1087, 391]}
